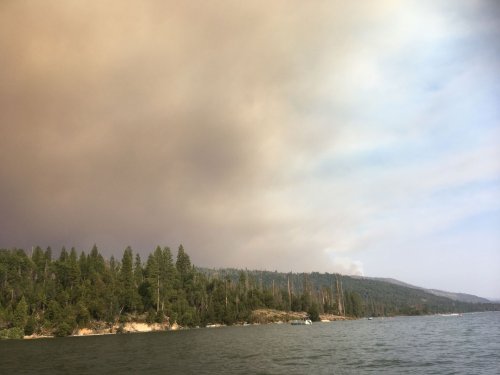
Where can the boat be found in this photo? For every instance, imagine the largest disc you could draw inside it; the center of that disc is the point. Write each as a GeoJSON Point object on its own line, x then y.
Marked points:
{"type": "Point", "coordinates": [304, 322]}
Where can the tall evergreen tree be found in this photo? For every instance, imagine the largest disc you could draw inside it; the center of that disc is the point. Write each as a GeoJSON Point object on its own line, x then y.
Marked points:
{"type": "Point", "coordinates": [138, 271]}
{"type": "Point", "coordinates": [128, 291]}
{"type": "Point", "coordinates": [151, 291]}
{"type": "Point", "coordinates": [183, 265]}
{"type": "Point", "coordinates": [21, 314]}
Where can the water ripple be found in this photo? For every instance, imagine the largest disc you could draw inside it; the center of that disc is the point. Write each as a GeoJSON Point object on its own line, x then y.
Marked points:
{"type": "Point", "coordinates": [406, 345]}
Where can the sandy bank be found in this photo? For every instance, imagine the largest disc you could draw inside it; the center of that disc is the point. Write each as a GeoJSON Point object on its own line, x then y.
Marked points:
{"type": "Point", "coordinates": [101, 328]}
{"type": "Point", "coordinates": [332, 318]}
{"type": "Point", "coordinates": [129, 327]}
{"type": "Point", "coordinates": [35, 336]}
{"type": "Point", "coordinates": [260, 316]}
{"type": "Point", "coordinates": [264, 316]}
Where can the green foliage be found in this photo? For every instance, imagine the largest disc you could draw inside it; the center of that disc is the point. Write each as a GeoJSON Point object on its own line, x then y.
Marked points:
{"type": "Point", "coordinates": [184, 267]}
{"type": "Point", "coordinates": [82, 314]}
{"type": "Point", "coordinates": [63, 329]}
{"type": "Point", "coordinates": [21, 314]}
{"type": "Point", "coordinates": [374, 297]}
{"type": "Point", "coordinates": [354, 304]}
{"type": "Point", "coordinates": [12, 333]}
{"type": "Point", "coordinates": [31, 326]}
{"type": "Point", "coordinates": [40, 293]}
{"type": "Point", "coordinates": [159, 317]}
{"type": "Point", "coordinates": [129, 296]}
{"type": "Point", "coordinates": [313, 312]}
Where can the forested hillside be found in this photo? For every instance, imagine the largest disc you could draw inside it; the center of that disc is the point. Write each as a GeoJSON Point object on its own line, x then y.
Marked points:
{"type": "Point", "coordinates": [41, 293]}
{"type": "Point", "coordinates": [362, 296]}
{"type": "Point", "coordinates": [463, 297]}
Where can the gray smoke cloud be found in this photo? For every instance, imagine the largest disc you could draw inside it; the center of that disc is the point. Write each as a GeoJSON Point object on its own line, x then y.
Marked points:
{"type": "Point", "coordinates": [156, 122]}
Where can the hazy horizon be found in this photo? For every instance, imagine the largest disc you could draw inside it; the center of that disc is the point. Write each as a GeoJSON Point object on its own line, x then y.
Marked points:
{"type": "Point", "coordinates": [356, 138]}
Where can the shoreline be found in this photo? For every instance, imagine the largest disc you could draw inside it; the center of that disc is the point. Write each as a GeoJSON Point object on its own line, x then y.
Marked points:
{"type": "Point", "coordinates": [259, 317]}
{"type": "Point", "coordinates": [103, 329]}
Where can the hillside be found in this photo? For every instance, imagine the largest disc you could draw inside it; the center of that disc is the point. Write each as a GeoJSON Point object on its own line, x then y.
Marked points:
{"type": "Point", "coordinates": [375, 297]}
{"type": "Point", "coordinates": [45, 296]}
{"type": "Point", "coordinates": [463, 297]}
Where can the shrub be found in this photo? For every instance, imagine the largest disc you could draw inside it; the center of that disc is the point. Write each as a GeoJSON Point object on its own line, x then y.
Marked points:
{"type": "Point", "coordinates": [12, 333]}
{"type": "Point", "coordinates": [64, 329]}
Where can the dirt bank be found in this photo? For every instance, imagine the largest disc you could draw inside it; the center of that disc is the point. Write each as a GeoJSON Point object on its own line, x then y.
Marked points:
{"type": "Point", "coordinates": [264, 316]}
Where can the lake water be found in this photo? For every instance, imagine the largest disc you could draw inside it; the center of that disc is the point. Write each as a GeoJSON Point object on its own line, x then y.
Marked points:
{"type": "Point", "coordinates": [469, 344]}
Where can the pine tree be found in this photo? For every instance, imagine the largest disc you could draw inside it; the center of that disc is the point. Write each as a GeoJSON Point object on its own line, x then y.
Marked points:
{"type": "Point", "coordinates": [151, 289]}
{"type": "Point", "coordinates": [73, 269]}
{"type": "Point", "coordinates": [128, 291]}
{"type": "Point", "coordinates": [21, 314]}
{"type": "Point", "coordinates": [138, 271]}
{"type": "Point", "coordinates": [183, 266]}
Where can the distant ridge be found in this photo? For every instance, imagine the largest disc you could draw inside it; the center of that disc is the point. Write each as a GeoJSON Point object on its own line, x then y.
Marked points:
{"type": "Point", "coordinates": [375, 296]}
{"type": "Point", "coordinates": [462, 297]}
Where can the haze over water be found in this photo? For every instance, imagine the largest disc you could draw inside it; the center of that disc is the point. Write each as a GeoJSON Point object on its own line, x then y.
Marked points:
{"type": "Point", "coordinates": [469, 344]}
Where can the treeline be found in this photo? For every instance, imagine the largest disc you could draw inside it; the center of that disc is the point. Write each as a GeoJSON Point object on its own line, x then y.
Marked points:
{"type": "Point", "coordinates": [361, 296]}
{"type": "Point", "coordinates": [41, 293]}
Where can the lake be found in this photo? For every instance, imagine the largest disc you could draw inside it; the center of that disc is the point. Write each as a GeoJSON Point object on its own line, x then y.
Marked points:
{"type": "Point", "coordinates": [469, 344]}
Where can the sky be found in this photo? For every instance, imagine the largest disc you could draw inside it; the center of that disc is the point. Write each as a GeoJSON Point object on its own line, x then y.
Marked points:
{"type": "Point", "coordinates": [355, 137]}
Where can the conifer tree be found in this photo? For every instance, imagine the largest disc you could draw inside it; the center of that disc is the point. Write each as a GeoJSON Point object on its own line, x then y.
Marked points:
{"type": "Point", "coordinates": [183, 265]}
{"type": "Point", "coordinates": [138, 271]}
{"type": "Point", "coordinates": [21, 314]}
{"type": "Point", "coordinates": [128, 291]}
{"type": "Point", "coordinates": [151, 292]}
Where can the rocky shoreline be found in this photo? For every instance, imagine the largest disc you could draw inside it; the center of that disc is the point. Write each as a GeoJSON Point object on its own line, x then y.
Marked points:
{"type": "Point", "coordinates": [101, 328]}
{"type": "Point", "coordinates": [266, 316]}
{"type": "Point", "coordinates": [260, 316]}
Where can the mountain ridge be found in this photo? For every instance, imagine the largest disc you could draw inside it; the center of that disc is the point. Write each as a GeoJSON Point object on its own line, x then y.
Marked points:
{"type": "Point", "coordinates": [377, 296]}
{"type": "Point", "coordinates": [456, 296]}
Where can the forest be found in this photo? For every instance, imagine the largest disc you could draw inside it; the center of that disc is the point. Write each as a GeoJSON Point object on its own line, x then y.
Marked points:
{"type": "Point", "coordinates": [43, 293]}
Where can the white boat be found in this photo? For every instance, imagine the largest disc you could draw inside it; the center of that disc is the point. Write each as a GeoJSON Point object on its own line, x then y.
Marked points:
{"type": "Point", "coordinates": [304, 322]}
